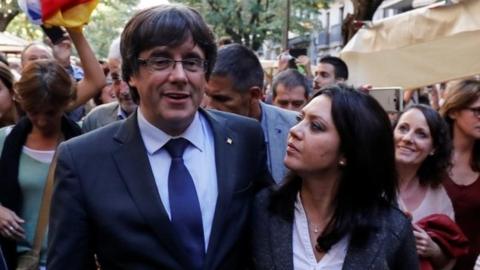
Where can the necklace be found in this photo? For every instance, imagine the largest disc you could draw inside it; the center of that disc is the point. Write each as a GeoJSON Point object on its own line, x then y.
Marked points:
{"type": "Point", "coordinates": [314, 227]}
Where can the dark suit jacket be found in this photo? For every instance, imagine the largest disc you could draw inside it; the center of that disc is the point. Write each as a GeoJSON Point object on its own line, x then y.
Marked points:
{"type": "Point", "coordinates": [106, 202]}
{"type": "Point", "coordinates": [392, 247]}
{"type": "Point", "coordinates": [3, 265]}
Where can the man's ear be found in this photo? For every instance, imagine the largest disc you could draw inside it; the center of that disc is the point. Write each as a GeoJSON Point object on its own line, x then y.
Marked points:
{"type": "Point", "coordinates": [255, 92]}
{"type": "Point", "coordinates": [132, 82]}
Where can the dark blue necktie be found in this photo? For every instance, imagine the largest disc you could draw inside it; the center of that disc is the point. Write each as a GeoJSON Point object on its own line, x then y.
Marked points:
{"type": "Point", "coordinates": [184, 205]}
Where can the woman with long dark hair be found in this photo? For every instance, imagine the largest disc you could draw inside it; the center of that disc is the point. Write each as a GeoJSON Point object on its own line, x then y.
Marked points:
{"type": "Point", "coordinates": [335, 209]}
{"type": "Point", "coordinates": [422, 155]}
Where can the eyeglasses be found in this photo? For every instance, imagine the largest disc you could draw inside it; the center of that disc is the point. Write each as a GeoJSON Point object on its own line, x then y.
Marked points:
{"type": "Point", "coordinates": [192, 65]}
{"type": "Point", "coordinates": [475, 111]}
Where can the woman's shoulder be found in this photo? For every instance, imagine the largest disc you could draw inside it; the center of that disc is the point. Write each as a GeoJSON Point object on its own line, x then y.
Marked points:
{"type": "Point", "coordinates": [395, 221]}
{"type": "Point", "coordinates": [437, 198]}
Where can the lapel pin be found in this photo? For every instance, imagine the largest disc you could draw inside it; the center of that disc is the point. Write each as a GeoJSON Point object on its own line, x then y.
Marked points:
{"type": "Point", "coordinates": [229, 141]}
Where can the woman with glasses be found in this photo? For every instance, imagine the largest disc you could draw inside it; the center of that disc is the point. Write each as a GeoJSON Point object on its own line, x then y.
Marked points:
{"type": "Point", "coordinates": [461, 110]}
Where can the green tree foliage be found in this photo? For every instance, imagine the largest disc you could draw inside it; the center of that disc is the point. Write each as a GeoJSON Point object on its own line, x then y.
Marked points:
{"type": "Point", "coordinates": [8, 10]}
{"type": "Point", "coordinates": [250, 22]}
{"type": "Point", "coordinates": [105, 25]}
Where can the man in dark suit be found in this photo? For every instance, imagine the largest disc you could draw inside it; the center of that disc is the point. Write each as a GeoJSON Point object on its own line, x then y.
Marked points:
{"type": "Point", "coordinates": [171, 187]}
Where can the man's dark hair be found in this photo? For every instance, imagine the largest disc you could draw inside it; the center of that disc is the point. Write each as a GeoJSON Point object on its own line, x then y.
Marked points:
{"type": "Point", "coordinates": [367, 184]}
{"type": "Point", "coordinates": [241, 65]}
{"type": "Point", "coordinates": [341, 69]}
{"type": "Point", "coordinates": [290, 78]}
{"type": "Point", "coordinates": [164, 25]}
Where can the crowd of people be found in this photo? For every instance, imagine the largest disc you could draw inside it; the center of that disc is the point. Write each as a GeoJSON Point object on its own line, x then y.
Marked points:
{"type": "Point", "coordinates": [177, 153]}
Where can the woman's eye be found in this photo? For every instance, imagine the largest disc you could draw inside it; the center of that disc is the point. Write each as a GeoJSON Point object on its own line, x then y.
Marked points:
{"type": "Point", "coordinates": [422, 134]}
{"type": "Point", "coordinates": [317, 127]}
{"type": "Point", "coordinates": [402, 128]}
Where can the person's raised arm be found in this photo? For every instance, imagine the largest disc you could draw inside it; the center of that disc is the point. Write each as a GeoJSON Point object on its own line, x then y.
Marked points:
{"type": "Point", "coordinates": [94, 78]}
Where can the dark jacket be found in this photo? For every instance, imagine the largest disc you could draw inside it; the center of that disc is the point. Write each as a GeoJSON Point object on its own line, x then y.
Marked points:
{"type": "Point", "coordinates": [106, 201]}
{"type": "Point", "coordinates": [3, 265]}
{"type": "Point", "coordinates": [391, 247]}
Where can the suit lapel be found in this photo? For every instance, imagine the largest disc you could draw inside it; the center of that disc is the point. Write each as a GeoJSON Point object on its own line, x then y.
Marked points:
{"type": "Point", "coordinates": [134, 167]}
{"type": "Point", "coordinates": [223, 138]}
{"type": "Point", "coordinates": [281, 242]}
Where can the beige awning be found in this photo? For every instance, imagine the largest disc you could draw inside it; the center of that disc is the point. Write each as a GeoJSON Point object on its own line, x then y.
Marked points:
{"type": "Point", "coordinates": [417, 48]}
{"type": "Point", "coordinates": [396, 4]}
{"type": "Point", "coordinates": [11, 44]}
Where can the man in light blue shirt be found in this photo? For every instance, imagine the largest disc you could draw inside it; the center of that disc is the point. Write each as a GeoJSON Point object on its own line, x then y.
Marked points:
{"type": "Point", "coordinates": [236, 86]}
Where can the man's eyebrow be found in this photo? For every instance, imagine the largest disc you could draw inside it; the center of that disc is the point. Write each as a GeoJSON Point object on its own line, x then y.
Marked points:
{"type": "Point", "coordinates": [192, 55]}
{"type": "Point", "coordinates": [162, 53]}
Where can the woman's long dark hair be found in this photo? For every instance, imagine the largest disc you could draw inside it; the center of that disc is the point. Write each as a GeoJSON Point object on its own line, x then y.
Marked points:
{"type": "Point", "coordinates": [367, 184]}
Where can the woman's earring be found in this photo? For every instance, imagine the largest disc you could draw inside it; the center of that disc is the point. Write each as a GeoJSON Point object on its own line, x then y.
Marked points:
{"type": "Point", "coordinates": [342, 163]}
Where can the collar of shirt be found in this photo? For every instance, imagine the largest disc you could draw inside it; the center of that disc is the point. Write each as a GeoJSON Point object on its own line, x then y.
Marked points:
{"type": "Point", "coordinates": [121, 114]}
{"type": "Point", "coordinates": [76, 72]}
{"type": "Point", "coordinates": [155, 138]}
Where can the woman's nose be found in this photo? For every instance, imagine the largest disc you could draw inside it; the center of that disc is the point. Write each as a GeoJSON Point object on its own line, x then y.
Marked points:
{"type": "Point", "coordinates": [407, 137]}
{"type": "Point", "coordinates": [295, 131]}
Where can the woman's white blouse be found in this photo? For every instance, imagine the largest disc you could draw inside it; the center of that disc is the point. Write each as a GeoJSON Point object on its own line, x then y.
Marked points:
{"type": "Point", "coordinates": [303, 255]}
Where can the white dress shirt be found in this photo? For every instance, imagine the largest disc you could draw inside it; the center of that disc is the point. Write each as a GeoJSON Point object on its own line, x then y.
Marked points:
{"type": "Point", "coordinates": [199, 158]}
{"type": "Point", "coordinates": [303, 255]}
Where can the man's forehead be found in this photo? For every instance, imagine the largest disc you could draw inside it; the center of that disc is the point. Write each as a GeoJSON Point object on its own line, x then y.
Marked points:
{"type": "Point", "coordinates": [39, 50]}
{"type": "Point", "coordinates": [218, 82]}
{"type": "Point", "coordinates": [291, 89]}
{"type": "Point", "coordinates": [114, 63]}
{"type": "Point", "coordinates": [185, 47]}
{"type": "Point", "coordinates": [325, 67]}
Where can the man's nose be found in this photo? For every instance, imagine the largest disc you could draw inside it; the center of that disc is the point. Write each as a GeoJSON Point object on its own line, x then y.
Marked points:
{"type": "Point", "coordinates": [124, 89]}
{"type": "Point", "coordinates": [178, 73]}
